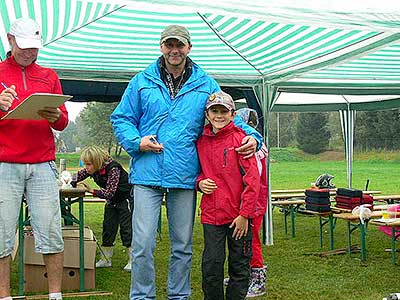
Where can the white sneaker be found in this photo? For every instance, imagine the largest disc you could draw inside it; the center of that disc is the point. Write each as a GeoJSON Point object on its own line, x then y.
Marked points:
{"type": "Point", "coordinates": [128, 267]}
{"type": "Point", "coordinates": [102, 263]}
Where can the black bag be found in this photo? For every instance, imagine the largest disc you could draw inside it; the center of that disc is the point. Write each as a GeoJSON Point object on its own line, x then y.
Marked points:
{"type": "Point", "coordinates": [349, 192]}
{"type": "Point", "coordinates": [317, 193]}
{"type": "Point", "coordinates": [318, 208]}
{"type": "Point", "coordinates": [318, 200]}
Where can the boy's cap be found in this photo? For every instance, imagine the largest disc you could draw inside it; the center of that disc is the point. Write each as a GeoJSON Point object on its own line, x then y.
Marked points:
{"type": "Point", "coordinates": [220, 98]}
{"type": "Point", "coordinates": [27, 33]}
{"type": "Point", "coordinates": [175, 32]}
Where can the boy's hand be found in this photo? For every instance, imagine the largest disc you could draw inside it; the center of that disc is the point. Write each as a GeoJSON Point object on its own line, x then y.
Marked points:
{"type": "Point", "coordinates": [249, 146]}
{"type": "Point", "coordinates": [241, 225]}
{"type": "Point", "coordinates": [207, 186]}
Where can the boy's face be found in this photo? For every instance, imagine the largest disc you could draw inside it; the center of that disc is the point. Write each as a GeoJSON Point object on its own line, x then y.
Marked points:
{"type": "Point", "coordinates": [219, 116]}
{"type": "Point", "coordinates": [89, 167]}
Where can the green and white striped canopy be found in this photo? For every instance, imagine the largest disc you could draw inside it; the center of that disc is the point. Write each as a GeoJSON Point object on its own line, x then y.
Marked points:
{"type": "Point", "coordinates": [278, 48]}
{"type": "Point", "coordinates": [303, 46]}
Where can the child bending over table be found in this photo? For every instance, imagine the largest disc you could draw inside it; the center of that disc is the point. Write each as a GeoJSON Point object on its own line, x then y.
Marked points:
{"type": "Point", "coordinates": [112, 179]}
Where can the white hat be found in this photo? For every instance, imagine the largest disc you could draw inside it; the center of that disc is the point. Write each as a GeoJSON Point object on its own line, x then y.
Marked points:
{"type": "Point", "coordinates": [27, 33]}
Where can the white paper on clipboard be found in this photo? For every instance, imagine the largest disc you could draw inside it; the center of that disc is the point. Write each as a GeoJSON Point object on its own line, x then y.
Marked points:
{"type": "Point", "coordinates": [28, 108]}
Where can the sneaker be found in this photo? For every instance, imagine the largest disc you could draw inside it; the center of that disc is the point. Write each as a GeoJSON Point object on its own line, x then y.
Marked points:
{"type": "Point", "coordinates": [257, 283]}
{"type": "Point", "coordinates": [128, 267]}
{"type": "Point", "coordinates": [254, 291]}
{"type": "Point", "coordinates": [102, 263]}
{"type": "Point", "coordinates": [226, 281]}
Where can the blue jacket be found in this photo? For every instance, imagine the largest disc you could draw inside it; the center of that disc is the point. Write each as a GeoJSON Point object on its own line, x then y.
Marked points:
{"type": "Point", "coordinates": [146, 108]}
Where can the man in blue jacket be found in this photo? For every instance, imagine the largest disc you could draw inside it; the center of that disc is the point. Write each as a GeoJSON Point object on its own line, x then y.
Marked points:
{"type": "Point", "coordinates": [159, 119]}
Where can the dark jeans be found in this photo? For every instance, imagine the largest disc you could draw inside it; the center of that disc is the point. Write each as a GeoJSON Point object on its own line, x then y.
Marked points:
{"type": "Point", "coordinates": [114, 216]}
{"type": "Point", "coordinates": [239, 256]}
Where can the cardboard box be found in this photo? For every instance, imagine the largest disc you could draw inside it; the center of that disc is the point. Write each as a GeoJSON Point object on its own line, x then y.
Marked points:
{"type": "Point", "coordinates": [73, 232]}
{"type": "Point", "coordinates": [36, 279]}
{"type": "Point", "coordinates": [71, 249]}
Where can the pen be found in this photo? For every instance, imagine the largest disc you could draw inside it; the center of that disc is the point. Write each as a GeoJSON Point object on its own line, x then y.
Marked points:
{"type": "Point", "coordinates": [6, 87]}
{"type": "Point", "coordinates": [153, 139]}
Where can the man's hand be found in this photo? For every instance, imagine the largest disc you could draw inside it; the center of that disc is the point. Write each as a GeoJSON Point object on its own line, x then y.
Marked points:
{"type": "Point", "coordinates": [50, 114]}
{"type": "Point", "coordinates": [7, 97]}
{"type": "Point", "coordinates": [207, 186]}
{"type": "Point", "coordinates": [248, 148]}
{"type": "Point", "coordinates": [149, 143]}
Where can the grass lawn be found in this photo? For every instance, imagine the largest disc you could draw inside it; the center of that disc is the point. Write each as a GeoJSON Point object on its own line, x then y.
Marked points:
{"type": "Point", "coordinates": [293, 273]}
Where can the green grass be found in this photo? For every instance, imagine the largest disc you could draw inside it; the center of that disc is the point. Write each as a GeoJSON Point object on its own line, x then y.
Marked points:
{"type": "Point", "coordinates": [292, 274]}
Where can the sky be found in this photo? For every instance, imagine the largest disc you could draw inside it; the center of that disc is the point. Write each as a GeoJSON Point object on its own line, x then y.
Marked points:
{"type": "Point", "coordinates": [74, 108]}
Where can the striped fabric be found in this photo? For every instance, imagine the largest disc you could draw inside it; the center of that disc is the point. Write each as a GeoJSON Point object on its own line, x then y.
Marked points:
{"type": "Point", "coordinates": [295, 47]}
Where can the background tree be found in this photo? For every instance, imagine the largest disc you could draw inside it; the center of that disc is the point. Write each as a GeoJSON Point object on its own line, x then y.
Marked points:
{"type": "Point", "coordinates": [96, 126]}
{"type": "Point", "coordinates": [287, 129]}
{"type": "Point", "coordinates": [312, 132]}
{"type": "Point", "coordinates": [378, 130]}
{"type": "Point", "coordinates": [69, 136]}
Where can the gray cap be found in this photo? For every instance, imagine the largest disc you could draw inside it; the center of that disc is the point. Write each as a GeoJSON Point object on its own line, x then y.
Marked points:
{"type": "Point", "coordinates": [220, 98]}
{"type": "Point", "coordinates": [175, 32]}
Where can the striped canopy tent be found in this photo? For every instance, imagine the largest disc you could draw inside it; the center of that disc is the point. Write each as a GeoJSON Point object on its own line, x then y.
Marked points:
{"type": "Point", "coordinates": [272, 47]}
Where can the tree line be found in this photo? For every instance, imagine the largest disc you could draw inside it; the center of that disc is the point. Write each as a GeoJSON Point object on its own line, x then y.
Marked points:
{"type": "Point", "coordinates": [310, 132]}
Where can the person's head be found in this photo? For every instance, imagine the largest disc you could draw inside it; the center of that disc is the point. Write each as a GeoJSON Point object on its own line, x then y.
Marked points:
{"type": "Point", "coordinates": [94, 158]}
{"type": "Point", "coordinates": [175, 45]}
{"type": "Point", "coordinates": [25, 38]}
{"type": "Point", "coordinates": [249, 116]}
{"type": "Point", "coordinates": [220, 110]}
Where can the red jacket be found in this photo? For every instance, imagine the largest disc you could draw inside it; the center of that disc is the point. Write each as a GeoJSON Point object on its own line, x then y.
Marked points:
{"type": "Point", "coordinates": [29, 141]}
{"type": "Point", "coordinates": [237, 179]}
{"type": "Point", "coordinates": [261, 205]}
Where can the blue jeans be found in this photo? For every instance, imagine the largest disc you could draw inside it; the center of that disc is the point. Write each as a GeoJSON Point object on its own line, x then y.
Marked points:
{"type": "Point", "coordinates": [181, 206]}
{"type": "Point", "coordinates": [39, 183]}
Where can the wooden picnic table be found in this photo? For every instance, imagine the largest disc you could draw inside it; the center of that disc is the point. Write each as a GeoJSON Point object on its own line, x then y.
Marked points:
{"type": "Point", "coordinates": [354, 222]}
{"type": "Point", "coordinates": [286, 196]}
{"type": "Point", "coordinates": [287, 191]}
{"type": "Point", "coordinates": [289, 208]}
{"type": "Point", "coordinates": [325, 218]}
{"type": "Point", "coordinates": [389, 199]}
{"type": "Point", "coordinates": [394, 224]}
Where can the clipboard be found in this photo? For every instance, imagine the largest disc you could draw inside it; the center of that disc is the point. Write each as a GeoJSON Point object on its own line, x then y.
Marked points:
{"type": "Point", "coordinates": [28, 108]}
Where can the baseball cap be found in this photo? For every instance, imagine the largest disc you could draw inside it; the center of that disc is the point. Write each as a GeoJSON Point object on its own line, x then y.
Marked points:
{"type": "Point", "coordinates": [220, 98]}
{"type": "Point", "coordinates": [175, 32]}
{"type": "Point", "coordinates": [27, 33]}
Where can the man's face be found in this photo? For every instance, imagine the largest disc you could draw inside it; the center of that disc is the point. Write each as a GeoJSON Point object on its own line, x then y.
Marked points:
{"type": "Point", "coordinates": [23, 57]}
{"type": "Point", "coordinates": [175, 52]}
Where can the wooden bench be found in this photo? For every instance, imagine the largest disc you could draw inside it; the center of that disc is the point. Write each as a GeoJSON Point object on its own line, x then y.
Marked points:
{"type": "Point", "coordinates": [354, 222]}
{"type": "Point", "coordinates": [289, 208]}
{"type": "Point", "coordinates": [389, 199]}
{"type": "Point", "coordinates": [281, 195]}
{"type": "Point", "coordinates": [324, 219]}
{"type": "Point", "coordinates": [394, 224]}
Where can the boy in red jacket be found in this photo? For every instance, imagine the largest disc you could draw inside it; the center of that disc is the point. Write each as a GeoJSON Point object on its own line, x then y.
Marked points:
{"type": "Point", "coordinates": [230, 186]}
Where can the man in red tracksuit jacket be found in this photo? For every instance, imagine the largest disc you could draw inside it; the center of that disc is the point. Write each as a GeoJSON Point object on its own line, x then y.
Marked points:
{"type": "Point", "coordinates": [230, 186]}
{"type": "Point", "coordinates": [27, 154]}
